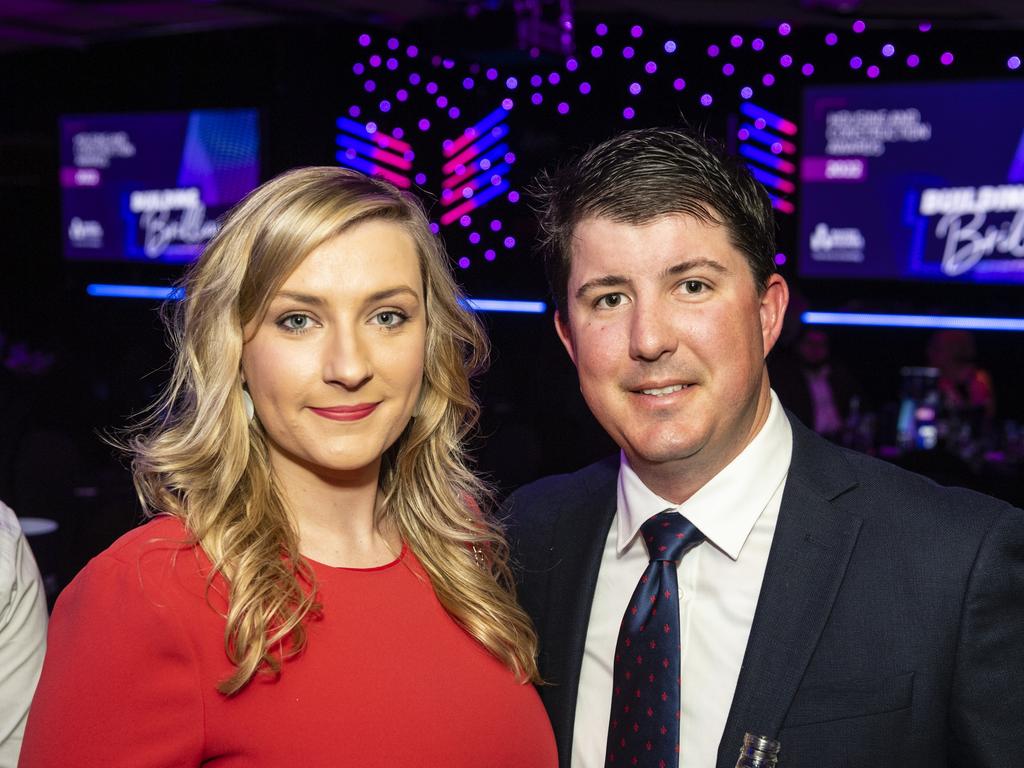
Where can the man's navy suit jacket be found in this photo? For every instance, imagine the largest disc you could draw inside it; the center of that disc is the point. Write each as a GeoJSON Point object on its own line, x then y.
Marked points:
{"type": "Point", "coordinates": [889, 629]}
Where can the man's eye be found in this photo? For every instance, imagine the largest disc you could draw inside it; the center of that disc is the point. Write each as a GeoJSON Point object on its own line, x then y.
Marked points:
{"type": "Point", "coordinates": [694, 286]}
{"type": "Point", "coordinates": [610, 300]}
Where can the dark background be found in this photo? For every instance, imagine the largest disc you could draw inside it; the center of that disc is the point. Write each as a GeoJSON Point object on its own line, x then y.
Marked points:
{"type": "Point", "coordinates": [104, 359]}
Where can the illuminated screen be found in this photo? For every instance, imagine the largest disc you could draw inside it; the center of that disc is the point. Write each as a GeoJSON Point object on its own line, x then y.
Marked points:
{"type": "Point", "coordinates": [913, 182]}
{"type": "Point", "coordinates": [149, 187]}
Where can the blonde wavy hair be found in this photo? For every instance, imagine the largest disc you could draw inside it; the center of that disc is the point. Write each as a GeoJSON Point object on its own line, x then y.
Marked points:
{"type": "Point", "coordinates": [197, 456]}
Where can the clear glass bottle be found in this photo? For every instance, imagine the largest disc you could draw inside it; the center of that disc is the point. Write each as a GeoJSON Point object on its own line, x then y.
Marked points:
{"type": "Point", "coordinates": [758, 752]}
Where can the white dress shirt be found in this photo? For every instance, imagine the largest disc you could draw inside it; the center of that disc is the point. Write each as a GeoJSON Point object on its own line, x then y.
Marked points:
{"type": "Point", "coordinates": [719, 582]}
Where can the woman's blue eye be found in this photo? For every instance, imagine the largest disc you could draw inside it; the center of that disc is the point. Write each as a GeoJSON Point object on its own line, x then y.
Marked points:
{"type": "Point", "coordinates": [390, 318]}
{"type": "Point", "coordinates": [295, 322]}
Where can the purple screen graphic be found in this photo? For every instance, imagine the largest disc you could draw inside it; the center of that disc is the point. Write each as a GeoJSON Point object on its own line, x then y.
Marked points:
{"type": "Point", "coordinates": [913, 182]}
{"type": "Point", "coordinates": [150, 187]}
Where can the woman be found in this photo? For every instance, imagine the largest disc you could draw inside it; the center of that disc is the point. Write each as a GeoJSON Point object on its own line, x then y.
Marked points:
{"type": "Point", "coordinates": [318, 586]}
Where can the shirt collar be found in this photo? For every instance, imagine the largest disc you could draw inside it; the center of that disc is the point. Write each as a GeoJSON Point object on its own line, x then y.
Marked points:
{"type": "Point", "coordinates": [727, 506]}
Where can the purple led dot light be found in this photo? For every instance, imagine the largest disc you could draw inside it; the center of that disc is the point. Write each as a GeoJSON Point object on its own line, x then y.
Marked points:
{"type": "Point", "coordinates": [399, 133]}
{"type": "Point", "coordinates": [364, 40]}
{"type": "Point", "coordinates": [636, 31]}
{"type": "Point", "coordinates": [776, 148]}
{"type": "Point", "coordinates": [375, 60]}
{"type": "Point", "coordinates": [393, 44]}
{"type": "Point", "coordinates": [554, 78]}
{"type": "Point", "coordinates": [856, 62]}
{"type": "Point", "coordinates": [780, 259]}
{"type": "Point", "coordinates": [358, 68]}
{"type": "Point", "coordinates": [760, 123]}
{"type": "Point", "coordinates": [679, 83]}
{"type": "Point", "coordinates": [474, 237]}
{"type": "Point", "coordinates": [513, 196]}
{"type": "Point", "coordinates": [468, 83]}
{"type": "Point", "coordinates": [1013, 62]}
{"type": "Point", "coordinates": [421, 178]}
{"type": "Point", "coordinates": [571, 64]}
{"type": "Point", "coordinates": [946, 59]}
{"type": "Point", "coordinates": [735, 41]}
{"type": "Point", "coordinates": [628, 52]}
{"type": "Point", "coordinates": [597, 51]}
{"type": "Point", "coordinates": [634, 88]}
{"type": "Point", "coordinates": [743, 134]}
{"type": "Point", "coordinates": [465, 220]}
{"type": "Point", "coordinates": [768, 79]}
{"type": "Point", "coordinates": [495, 225]}
{"type": "Point", "coordinates": [371, 127]}
{"type": "Point", "coordinates": [423, 124]}
{"type": "Point", "coordinates": [431, 88]}
{"type": "Point", "coordinates": [464, 262]}
{"type": "Point", "coordinates": [435, 227]}
{"type": "Point", "coordinates": [385, 105]}
{"type": "Point", "coordinates": [706, 100]}
{"type": "Point", "coordinates": [746, 91]}
{"type": "Point", "coordinates": [584, 88]}
{"type": "Point", "coordinates": [536, 81]}
{"type": "Point", "coordinates": [563, 108]}
{"type": "Point", "coordinates": [392, 64]}
{"type": "Point", "coordinates": [490, 255]}
{"type": "Point", "coordinates": [442, 102]}
{"type": "Point", "coordinates": [670, 46]}
{"type": "Point", "coordinates": [785, 60]}
{"type": "Point", "coordinates": [873, 71]}
{"type": "Point", "coordinates": [601, 30]}
{"type": "Point", "coordinates": [859, 26]}
{"type": "Point", "coordinates": [785, 28]}
{"type": "Point", "coordinates": [925, 26]}
{"type": "Point", "coordinates": [831, 38]}
{"type": "Point", "coordinates": [412, 51]}
{"type": "Point", "coordinates": [401, 94]}
{"type": "Point", "coordinates": [757, 44]}
{"type": "Point", "coordinates": [650, 67]}
{"type": "Point", "coordinates": [713, 50]}
{"type": "Point", "coordinates": [728, 69]}
{"type": "Point", "coordinates": [492, 74]}
{"type": "Point", "coordinates": [414, 78]}
{"type": "Point", "coordinates": [807, 69]}
{"type": "Point", "coordinates": [511, 83]}
{"type": "Point", "coordinates": [913, 60]}
{"type": "Point", "coordinates": [507, 104]}
{"type": "Point", "coordinates": [369, 86]}
{"type": "Point", "coordinates": [510, 242]}
{"type": "Point", "coordinates": [629, 113]}
{"type": "Point", "coordinates": [454, 113]}
{"type": "Point", "coordinates": [536, 98]}
{"type": "Point", "coordinates": [888, 50]}
{"type": "Point", "coordinates": [448, 63]}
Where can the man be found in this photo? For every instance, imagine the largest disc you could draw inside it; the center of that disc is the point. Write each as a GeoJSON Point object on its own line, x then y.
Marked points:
{"type": "Point", "coordinates": [861, 615]}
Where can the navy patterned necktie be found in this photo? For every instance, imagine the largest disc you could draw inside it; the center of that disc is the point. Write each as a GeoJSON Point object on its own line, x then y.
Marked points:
{"type": "Point", "coordinates": [644, 727]}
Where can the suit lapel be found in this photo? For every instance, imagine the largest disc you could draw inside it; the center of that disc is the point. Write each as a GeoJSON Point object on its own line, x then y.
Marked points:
{"type": "Point", "coordinates": [578, 540]}
{"type": "Point", "coordinates": [813, 542]}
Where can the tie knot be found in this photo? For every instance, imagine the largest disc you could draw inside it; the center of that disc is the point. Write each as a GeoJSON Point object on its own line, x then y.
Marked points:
{"type": "Point", "coordinates": [669, 535]}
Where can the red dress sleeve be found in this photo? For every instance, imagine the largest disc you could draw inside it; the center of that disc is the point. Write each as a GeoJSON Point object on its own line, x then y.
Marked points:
{"type": "Point", "coordinates": [120, 683]}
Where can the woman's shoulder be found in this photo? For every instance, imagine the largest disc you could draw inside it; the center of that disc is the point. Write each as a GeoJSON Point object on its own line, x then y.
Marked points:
{"type": "Point", "coordinates": [150, 557]}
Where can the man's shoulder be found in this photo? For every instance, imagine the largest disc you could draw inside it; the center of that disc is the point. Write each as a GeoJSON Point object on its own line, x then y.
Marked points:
{"type": "Point", "coordinates": [559, 490]}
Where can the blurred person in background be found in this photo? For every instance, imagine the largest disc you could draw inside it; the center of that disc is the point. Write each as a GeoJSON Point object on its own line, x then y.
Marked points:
{"type": "Point", "coordinates": [22, 633]}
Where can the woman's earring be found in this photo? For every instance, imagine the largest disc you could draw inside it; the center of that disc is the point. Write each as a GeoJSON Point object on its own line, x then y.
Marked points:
{"type": "Point", "coordinates": [250, 410]}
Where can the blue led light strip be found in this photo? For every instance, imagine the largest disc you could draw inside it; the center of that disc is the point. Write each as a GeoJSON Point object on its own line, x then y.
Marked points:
{"type": "Point", "coordinates": [914, 321]}
{"type": "Point", "coordinates": [108, 290]}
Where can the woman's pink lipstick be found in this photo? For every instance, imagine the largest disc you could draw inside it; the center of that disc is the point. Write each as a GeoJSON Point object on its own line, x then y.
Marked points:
{"type": "Point", "coordinates": [346, 412]}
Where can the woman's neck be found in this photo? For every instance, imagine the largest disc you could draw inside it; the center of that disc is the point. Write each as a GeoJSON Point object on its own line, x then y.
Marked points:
{"type": "Point", "coordinates": [337, 516]}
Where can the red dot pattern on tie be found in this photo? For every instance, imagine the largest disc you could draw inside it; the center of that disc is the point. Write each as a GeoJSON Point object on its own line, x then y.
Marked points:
{"type": "Point", "coordinates": [643, 729]}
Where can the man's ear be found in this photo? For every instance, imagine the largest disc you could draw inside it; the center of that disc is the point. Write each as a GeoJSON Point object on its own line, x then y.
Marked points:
{"type": "Point", "coordinates": [565, 334]}
{"type": "Point", "coordinates": [774, 300]}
